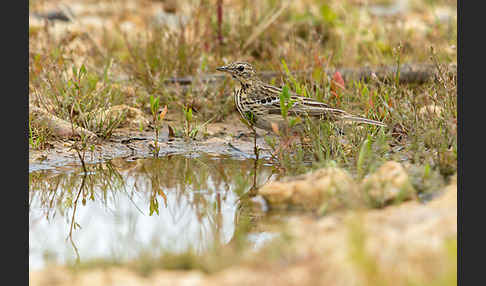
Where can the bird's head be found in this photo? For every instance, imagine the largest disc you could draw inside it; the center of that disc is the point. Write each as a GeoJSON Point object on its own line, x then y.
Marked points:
{"type": "Point", "coordinates": [242, 71]}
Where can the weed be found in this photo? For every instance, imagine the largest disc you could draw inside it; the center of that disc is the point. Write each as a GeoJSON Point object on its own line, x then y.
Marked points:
{"type": "Point", "coordinates": [156, 119]}
{"type": "Point", "coordinates": [38, 137]}
{"type": "Point", "coordinates": [80, 95]}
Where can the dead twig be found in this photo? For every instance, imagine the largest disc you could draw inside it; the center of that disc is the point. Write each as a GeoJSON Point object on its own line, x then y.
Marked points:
{"type": "Point", "coordinates": [409, 73]}
{"type": "Point", "coordinates": [265, 24]}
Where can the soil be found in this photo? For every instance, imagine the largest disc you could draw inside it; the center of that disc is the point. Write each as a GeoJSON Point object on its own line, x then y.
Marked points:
{"type": "Point", "coordinates": [228, 138]}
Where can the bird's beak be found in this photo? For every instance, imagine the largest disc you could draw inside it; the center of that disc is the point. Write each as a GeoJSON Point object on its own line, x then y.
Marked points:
{"type": "Point", "coordinates": [223, 68]}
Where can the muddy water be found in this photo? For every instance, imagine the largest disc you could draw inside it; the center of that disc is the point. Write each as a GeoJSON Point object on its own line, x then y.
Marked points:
{"type": "Point", "coordinates": [122, 208]}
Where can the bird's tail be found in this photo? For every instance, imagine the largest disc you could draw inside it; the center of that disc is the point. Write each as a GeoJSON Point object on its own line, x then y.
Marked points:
{"type": "Point", "coordinates": [362, 120]}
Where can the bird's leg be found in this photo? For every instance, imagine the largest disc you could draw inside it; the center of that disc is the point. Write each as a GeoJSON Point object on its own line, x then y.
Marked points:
{"type": "Point", "coordinates": [252, 191]}
{"type": "Point", "coordinates": [255, 147]}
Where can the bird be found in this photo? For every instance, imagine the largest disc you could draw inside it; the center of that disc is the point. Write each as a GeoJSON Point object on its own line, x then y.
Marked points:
{"type": "Point", "coordinates": [259, 103]}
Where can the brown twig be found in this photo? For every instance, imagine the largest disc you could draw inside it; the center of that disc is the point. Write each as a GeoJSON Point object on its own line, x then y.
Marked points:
{"type": "Point", "coordinates": [409, 73]}
{"type": "Point", "coordinates": [265, 24]}
{"type": "Point", "coordinates": [70, 236]}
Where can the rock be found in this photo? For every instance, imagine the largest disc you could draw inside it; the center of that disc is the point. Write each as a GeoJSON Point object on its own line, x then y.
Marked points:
{"type": "Point", "coordinates": [389, 183]}
{"type": "Point", "coordinates": [406, 240]}
{"type": "Point", "coordinates": [41, 118]}
{"type": "Point", "coordinates": [330, 188]}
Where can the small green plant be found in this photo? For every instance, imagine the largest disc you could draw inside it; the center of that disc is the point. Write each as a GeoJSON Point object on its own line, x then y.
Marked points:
{"type": "Point", "coordinates": [297, 86]}
{"type": "Point", "coordinates": [78, 94]}
{"type": "Point", "coordinates": [38, 137]}
{"type": "Point", "coordinates": [156, 119]}
{"type": "Point", "coordinates": [191, 128]}
{"type": "Point", "coordinates": [285, 102]}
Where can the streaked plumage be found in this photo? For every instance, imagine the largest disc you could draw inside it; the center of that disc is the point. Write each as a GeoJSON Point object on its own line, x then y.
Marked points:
{"type": "Point", "coordinates": [259, 103]}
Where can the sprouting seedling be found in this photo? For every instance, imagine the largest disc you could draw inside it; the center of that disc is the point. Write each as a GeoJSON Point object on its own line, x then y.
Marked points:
{"type": "Point", "coordinates": [188, 118]}
{"type": "Point", "coordinates": [154, 108]}
{"type": "Point", "coordinates": [285, 101]}
{"type": "Point", "coordinates": [426, 171]}
{"type": "Point", "coordinates": [188, 114]}
{"type": "Point", "coordinates": [33, 143]}
{"type": "Point", "coordinates": [286, 104]}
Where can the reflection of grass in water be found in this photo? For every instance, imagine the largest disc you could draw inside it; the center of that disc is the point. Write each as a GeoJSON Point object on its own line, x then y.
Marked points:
{"type": "Point", "coordinates": [60, 193]}
{"type": "Point", "coordinates": [178, 173]}
{"type": "Point", "coordinates": [165, 173]}
{"type": "Point", "coordinates": [217, 257]}
{"type": "Point", "coordinates": [199, 176]}
{"type": "Point", "coordinates": [191, 180]}
{"type": "Point", "coordinates": [57, 192]}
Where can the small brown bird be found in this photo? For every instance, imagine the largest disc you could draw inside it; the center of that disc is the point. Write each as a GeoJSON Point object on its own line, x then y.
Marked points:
{"type": "Point", "coordinates": [259, 103]}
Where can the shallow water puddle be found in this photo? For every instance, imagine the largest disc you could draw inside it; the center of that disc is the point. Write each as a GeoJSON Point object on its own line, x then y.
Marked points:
{"type": "Point", "coordinates": [122, 208]}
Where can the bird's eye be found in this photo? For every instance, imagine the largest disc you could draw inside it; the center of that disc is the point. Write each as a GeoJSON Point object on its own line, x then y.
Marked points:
{"type": "Point", "coordinates": [240, 68]}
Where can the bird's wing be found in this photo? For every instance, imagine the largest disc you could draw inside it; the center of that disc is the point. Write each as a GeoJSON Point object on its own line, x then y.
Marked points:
{"type": "Point", "coordinates": [269, 100]}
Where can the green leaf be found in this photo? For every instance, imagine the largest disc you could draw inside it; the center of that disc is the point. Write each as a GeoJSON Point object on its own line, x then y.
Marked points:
{"type": "Point", "coordinates": [328, 15]}
{"type": "Point", "coordinates": [426, 171]}
{"type": "Point", "coordinates": [154, 206]}
{"type": "Point", "coordinates": [283, 106]}
{"type": "Point", "coordinates": [294, 82]}
{"type": "Point", "coordinates": [82, 70]}
{"type": "Point", "coordinates": [317, 74]}
{"type": "Point", "coordinates": [188, 113]}
{"type": "Point", "coordinates": [193, 132]}
{"type": "Point", "coordinates": [286, 68]}
{"type": "Point", "coordinates": [365, 91]}
{"type": "Point", "coordinates": [294, 121]}
{"type": "Point", "coordinates": [250, 117]}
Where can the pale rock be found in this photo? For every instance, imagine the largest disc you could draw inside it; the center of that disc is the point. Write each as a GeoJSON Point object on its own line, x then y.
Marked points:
{"type": "Point", "coordinates": [331, 186]}
{"type": "Point", "coordinates": [389, 183]}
